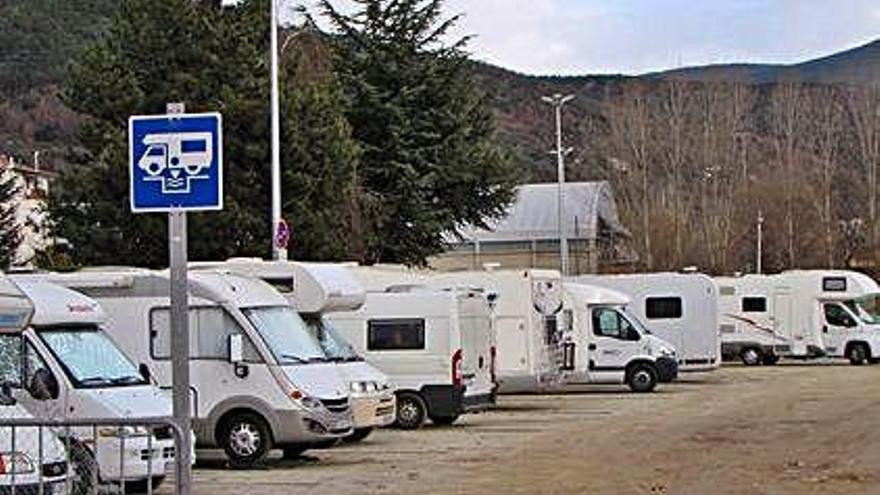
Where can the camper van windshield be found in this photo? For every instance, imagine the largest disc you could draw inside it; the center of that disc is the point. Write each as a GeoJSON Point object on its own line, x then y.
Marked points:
{"type": "Point", "coordinates": [89, 358]}
{"type": "Point", "coordinates": [866, 308]}
{"type": "Point", "coordinates": [335, 347]}
{"type": "Point", "coordinates": [285, 333]}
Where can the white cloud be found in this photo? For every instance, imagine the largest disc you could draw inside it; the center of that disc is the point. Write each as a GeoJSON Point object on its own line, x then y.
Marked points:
{"type": "Point", "coordinates": [636, 36]}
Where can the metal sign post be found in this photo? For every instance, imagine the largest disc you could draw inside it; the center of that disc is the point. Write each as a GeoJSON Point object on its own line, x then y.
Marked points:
{"type": "Point", "coordinates": [176, 165]}
{"type": "Point", "coordinates": [177, 254]}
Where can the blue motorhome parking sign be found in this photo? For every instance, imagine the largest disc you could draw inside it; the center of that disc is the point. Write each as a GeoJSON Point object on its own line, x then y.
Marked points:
{"type": "Point", "coordinates": [176, 162]}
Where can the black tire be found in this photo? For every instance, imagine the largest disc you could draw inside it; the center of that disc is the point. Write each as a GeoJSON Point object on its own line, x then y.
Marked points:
{"type": "Point", "coordinates": [359, 435]}
{"type": "Point", "coordinates": [245, 438]}
{"type": "Point", "coordinates": [84, 469]}
{"type": "Point", "coordinates": [751, 356]}
{"type": "Point", "coordinates": [411, 411]}
{"type": "Point", "coordinates": [770, 359]}
{"type": "Point", "coordinates": [140, 486]}
{"type": "Point", "coordinates": [641, 378]}
{"type": "Point", "coordinates": [444, 420]}
{"type": "Point", "coordinates": [858, 354]}
{"type": "Point", "coordinates": [291, 452]}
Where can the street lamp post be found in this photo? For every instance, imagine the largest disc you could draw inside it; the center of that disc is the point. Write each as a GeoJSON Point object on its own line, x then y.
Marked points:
{"type": "Point", "coordinates": [760, 254]}
{"type": "Point", "coordinates": [278, 251]}
{"type": "Point", "coordinates": [558, 101]}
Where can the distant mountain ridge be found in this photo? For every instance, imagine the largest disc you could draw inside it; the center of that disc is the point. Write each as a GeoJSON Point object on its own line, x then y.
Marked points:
{"type": "Point", "coordinates": [860, 65]}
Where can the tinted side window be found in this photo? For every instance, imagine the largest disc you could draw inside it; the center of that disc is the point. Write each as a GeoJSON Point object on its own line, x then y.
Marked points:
{"type": "Point", "coordinates": [837, 316]}
{"type": "Point", "coordinates": [390, 335]}
{"type": "Point", "coordinates": [834, 284]}
{"type": "Point", "coordinates": [754, 305]}
{"type": "Point", "coordinates": [657, 308]}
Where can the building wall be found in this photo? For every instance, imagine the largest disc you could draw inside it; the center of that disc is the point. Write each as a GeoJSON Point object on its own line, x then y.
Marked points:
{"type": "Point", "coordinates": [583, 256]}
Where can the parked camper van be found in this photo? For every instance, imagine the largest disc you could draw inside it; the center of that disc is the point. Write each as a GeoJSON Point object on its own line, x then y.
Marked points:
{"type": "Point", "coordinates": [434, 344]}
{"type": "Point", "coordinates": [70, 368]}
{"type": "Point", "coordinates": [258, 378]}
{"type": "Point", "coordinates": [29, 458]}
{"type": "Point", "coordinates": [25, 464]}
{"type": "Point", "coordinates": [799, 314]}
{"type": "Point", "coordinates": [315, 289]}
{"type": "Point", "coordinates": [680, 308]}
{"type": "Point", "coordinates": [529, 351]}
{"type": "Point", "coordinates": [612, 346]}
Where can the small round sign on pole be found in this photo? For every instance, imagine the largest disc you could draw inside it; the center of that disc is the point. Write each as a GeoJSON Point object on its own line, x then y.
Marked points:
{"type": "Point", "coordinates": [282, 234]}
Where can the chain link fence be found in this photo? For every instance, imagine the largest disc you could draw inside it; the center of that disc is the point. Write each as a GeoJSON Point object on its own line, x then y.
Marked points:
{"type": "Point", "coordinates": [86, 457]}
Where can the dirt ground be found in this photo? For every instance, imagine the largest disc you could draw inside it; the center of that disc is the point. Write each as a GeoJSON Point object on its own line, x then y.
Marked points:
{"type": "Point", "coordinates": [790, 429]}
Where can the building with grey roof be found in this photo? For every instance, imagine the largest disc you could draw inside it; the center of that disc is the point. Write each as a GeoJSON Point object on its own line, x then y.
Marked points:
{"type": "Point", "coordinates": [528, 235]}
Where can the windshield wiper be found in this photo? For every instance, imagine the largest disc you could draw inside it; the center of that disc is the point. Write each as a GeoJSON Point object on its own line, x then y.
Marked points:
{"type": "Point", "coordinates": [126, 380]}
{"type": "Point", "coordinates": [354, 358]}
{"type": "Point", "coordinates": [94, 380]}
{"type": "Point", "coordinates": [295, 358]}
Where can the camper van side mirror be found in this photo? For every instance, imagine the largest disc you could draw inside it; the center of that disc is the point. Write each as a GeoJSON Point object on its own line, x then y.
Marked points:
{"type": "Point", "coordinates": [6, 398]}
{"type": "Point", "coordinates": [236, 348]}
{"type": "Point", "coordinates": [145, 372]}
{"type": "Point", "coordinates": [633, 334]}
{"type": "Point", "coordinates": [43, 385]}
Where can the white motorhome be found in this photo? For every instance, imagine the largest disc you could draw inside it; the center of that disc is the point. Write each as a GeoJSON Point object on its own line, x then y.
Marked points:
{"type": "Point", "coordinates": [258, 379]}
{"type": "Point", "coordinates": [530, 354]}
{"type": "Point", "coordinates": [70, 368]}
{"type": "Point", "coordinates": [611, 344]}
{"type": "Point", "coordinates": [316, 289]}
{"type": "Point", "coordinates": [680, 308]}
{"type": "Point", "coordinates": [799, 314]}
{"type": "Point", "coordinates": [28, 458]}
{"type": "Point", "coordinates": [436, 345]}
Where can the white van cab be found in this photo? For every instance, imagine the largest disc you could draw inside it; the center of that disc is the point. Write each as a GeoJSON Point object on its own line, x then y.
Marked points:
{"type": "Point", "coordinates": [24, 463]}
{"type": "Point", "coordinates": [618, 347]}
{"type": "Point", "coordinates": [258, 378]}
{"type": "Point", "coordinates": [799, 314]}
{"type": "Point", "coordinates": [436, 345]}
{"type": "Point", "coordinates": [28, 458]}
{"type": "Point", "coordinates": [316, 289]}
{"type": "Point", "coordinates": [71, 368]}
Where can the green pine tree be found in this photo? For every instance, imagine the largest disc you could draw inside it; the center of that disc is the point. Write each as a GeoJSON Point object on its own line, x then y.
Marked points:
{"type": "Point", "coordinates": [430, 163]}
{"type": "Point", "coordinates": [10, 230]}
{"type": "Point", "coordinates": [320, 158]}
{"type": "Point", "coordinates": [212, 58]}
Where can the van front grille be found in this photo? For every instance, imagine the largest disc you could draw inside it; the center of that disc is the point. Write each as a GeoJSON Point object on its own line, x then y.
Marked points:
{"type": "Point", "coordinates": [336, 405]}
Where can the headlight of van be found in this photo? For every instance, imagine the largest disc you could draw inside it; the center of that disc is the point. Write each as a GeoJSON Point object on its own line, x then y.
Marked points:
{"type": "Point", "coordinates": [122, 431]}
{"type": "Point", "coordinates": [364, 387]}
{"type": "Point", "coordinates": [15, 463]}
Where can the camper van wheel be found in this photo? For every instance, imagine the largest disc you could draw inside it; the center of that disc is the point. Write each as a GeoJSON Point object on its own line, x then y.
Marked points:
{"type": "Point", "coordinates": [245, 438]}
{"type": "Point", "coordinates": [84, 468]}
{"type": "Point", "coordinates": [769, 359]}
{"type": "Point", "coordinates": [294, 451]}
{"type": "Point", "coordinates": [444, 420]}
{"type": "Point", "coordinates": [411, 411]}
{"type": "Point", "coordinates": [858, 354]}
{"type": "Point", "coordinates": [140, 486]}
{"type": "Point", "coordinates": [358, 435]}
{"type": "Point", "coordinates": [641, 378]}
{"type": "Point", "coordinates": [751, 356]}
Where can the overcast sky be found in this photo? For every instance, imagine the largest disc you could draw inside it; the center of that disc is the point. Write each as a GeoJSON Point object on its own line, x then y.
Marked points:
{"type": "Point", "coordinates": [637, 36]}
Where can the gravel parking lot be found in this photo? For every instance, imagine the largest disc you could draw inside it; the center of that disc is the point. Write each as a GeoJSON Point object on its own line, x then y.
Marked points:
{"type": "Point", "coordinates": [790, 429]}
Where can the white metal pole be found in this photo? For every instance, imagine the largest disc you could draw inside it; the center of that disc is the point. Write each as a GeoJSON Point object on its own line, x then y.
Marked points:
{"type": "Point", "coordinates": [179, 299]}
{"type": "Point", "coordinates": [560, 159]}
{"type": "Point", "coordinates": [278, 253]}
{"type": "Point", "coordinates": [758, 267]}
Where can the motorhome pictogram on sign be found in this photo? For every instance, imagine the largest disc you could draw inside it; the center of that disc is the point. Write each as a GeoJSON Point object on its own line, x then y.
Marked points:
{"type": "Point", "coordinates": [176, 162]}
